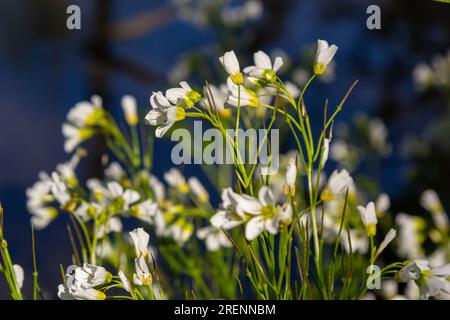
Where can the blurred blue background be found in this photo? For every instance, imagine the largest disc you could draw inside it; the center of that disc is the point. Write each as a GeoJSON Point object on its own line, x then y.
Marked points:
{"type": "Point", "coordinates": [46, 68]}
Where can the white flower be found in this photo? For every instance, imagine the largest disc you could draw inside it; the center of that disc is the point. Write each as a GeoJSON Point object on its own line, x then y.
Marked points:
{"type": "Point", "coordinates": [290, 178]}
{"type": "Point", "coordinates": [74, 136]}
{"type": "Point", "coordinates": [175, 179]}
{"type": "Point", "coordinates": [430, 281]}
{"type": "Point", "coordinates": [410, 235]}
{"type": "Point", "coordinates": [112, 225]}
{"type": "Point", "coordinates": [122, 198]}
{"type": "Point", "coordinates": [229, 215]}
{"type": "Point", "coordinates": [215, 98]}
{"type": "Point", "coordinates": [263, 213]}
{"type": "Point", "coordinates": [86, 113]}
{"type": "Point", "coordinates": [388, 239]}
{"type": "Point", "coordinates": [358, 239]}
{"type": "Point", "coordinates": [125, 282]}
{"type": "Point", "coordinates": [157, 188]}
{"type": "Point", "coordinates": [270, 221]}
{"type": "Point", "coordinates": [129, 108]}
{"type": "Point", "coordinates": [324, 55]}
{"type": "Point", "coordinates": [326, 148]}
{"type": "Point", "coordinates": [389, 288]}
{"type": "Point", "coordinates": [214, 238]}
{"type": "Point", "coordinates": [237, 15]}
{"type": "Point", "coordinates": [337, 184]}
{"type": "Point", "coordinates": [73, 293]}
{"type": "Point", "coordinates": [140, 239]}
{"type": "Point", "coordinates": [43, 216]}
{"type": "Point", "coordinates": [66, 170]}
{"type": "Point", "coordinates": [19, 275]}
{"type": "Point", "coordinates": [231, 65]}
{"type": "Point", "coordinates": [88, 276]}
{"type": "Point", "coordinates": [340, 150]}
{"type": "Point", "coordinates": [197, 188]}
{"type": "Point", "coordinates": [38, 195]}
{"type": "Point", "coordinates": [115, 172]}
{"type": "Point", "coordinates": [145, 211]}
{"type": "Point", "coordinates": [263, 68]}
{"type": "Point", "coordinates": [423, 75]}
{"type": "Point", "coordinates": [382, 204]}
{"type": "Point", "coordinates": [378, 135]}
{"type": "Point", "coordinates": [369, 218]}
{"type": "Point", "coordinates": [292, 89]}
{"type": "Point", "coordinates": [39, 198]}
{"type": "Point", "coordinates": [81, 282]}
{"type": "Point", "coordinates": [184, 94]}
{"type": "Point", "coordinates": [242, 96]}
{"type": "Point", "coordinates": [60, 190]}
{"type": "Point", "coordinates": [164, 114]}
{"type": "Point", "coordinates": [142, 277]}
{"type": "Point", "coordinates": [431, 202]}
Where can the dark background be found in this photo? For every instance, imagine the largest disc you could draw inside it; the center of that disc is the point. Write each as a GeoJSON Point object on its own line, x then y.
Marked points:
{"type": "Point", "coordinates": [45, 69]}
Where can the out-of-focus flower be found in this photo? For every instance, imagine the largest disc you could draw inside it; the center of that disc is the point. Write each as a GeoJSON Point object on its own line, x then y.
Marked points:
{"type": "Point", "coordinates": [86, 113]}
{"type": "Point", "coordinates": [19, 275]}
{"type": "Point", "coordinates": [115, 172]}
{"type": "Point", "coordinates": [431, 281]}
{"type": "Point", "coordinates": [164, 114]}
{"type": "Point", "coordinates": [389, 289]}
{"type": "Point", "coordinates": [263, 70]}
{"type": "Point", "coordinates": [60, 191]}
{"type": "Point", "coordinates": [325, 54]}
{"type": "Point", "coordinates": [292, 89]}
{"type": "Point", "coordinates": [183, 95]}
{"type": "Point", "coordinates": [145, 210]}
{"type": "Point", "coordinates": [410, 235]}
{"type": "Point", "coordinates": [431, 202]}
{"type": "Point", "coordinates": [74, 136]}
{"type": "Point", "coordinates": [197, 188]}
{"type": "Point", "coordinates": [290, 178]}
{"type": "Point", "coordinates": [175, 179]}
{"type": "Point", "coordinates": [251, 10]}
{"type": "Point", "coordinates": [214, 238]}
{"type": "Point", "coordinates": [39, 202]}
{"type": "Point", "coordinates": [121, 199]}
{"type": "Point", "coordinates": [337, 184]}
{"type": "Point", "coordinates": [129, 107]}
{"type": "Point", "coordinates": [111, 225]}
{"type": "Point", "coordinates": [215, 98]}
{"type": "Point", "coordinates": [382, 204]}
{"type": "Point", "coordinates": [358, 239]}
{"type": "Point", "coordinates": [378, 136]}
{"type": "Point", "coordinates": [423, 75]}
{"type": "Point", "coordinates": [66, 170]}
{"type": "Point", "coordinates": [230, 63]}
{"type": "Point", "coordinates": [388, 239]}
{"type": "Point", "coordinates": [369, 218]}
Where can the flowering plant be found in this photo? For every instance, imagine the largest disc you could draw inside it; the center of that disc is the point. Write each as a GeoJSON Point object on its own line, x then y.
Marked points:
{"type": "Point", "coordinates": [276, 234]}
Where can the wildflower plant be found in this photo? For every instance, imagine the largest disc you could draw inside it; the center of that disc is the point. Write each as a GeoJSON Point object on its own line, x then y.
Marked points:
{"type": "Point", "coordinates": [289, 233]}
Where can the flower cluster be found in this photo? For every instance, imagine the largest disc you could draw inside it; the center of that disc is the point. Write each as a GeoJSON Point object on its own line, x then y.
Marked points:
{"type": "Point", "coordinates": [267, 228]}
